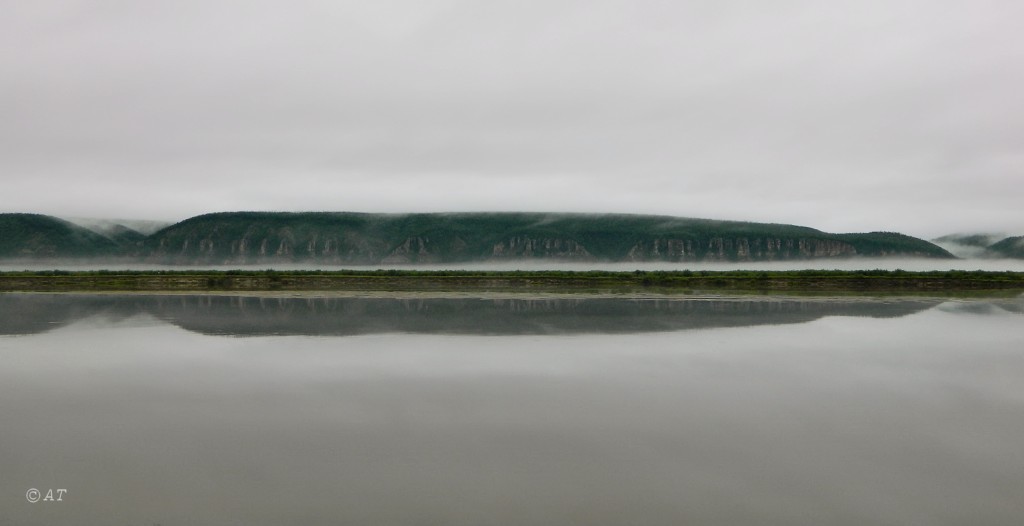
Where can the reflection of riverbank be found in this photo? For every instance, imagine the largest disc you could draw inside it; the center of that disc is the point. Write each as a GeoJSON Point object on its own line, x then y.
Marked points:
{"type": "Point", "coordinates": [239, 315]}
{"type": "Point", "coordinates": [834, 281]}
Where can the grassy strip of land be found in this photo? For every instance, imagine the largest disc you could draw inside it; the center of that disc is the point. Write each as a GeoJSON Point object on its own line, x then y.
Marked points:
{"type": "Point", "coordinates": [466, 280]}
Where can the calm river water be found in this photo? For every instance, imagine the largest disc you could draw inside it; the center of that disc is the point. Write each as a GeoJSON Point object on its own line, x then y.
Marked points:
{"type": "Point", "coordinates": [539, 410]}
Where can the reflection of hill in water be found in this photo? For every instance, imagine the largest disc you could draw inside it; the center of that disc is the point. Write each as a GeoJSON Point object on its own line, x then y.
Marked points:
{"type": "Point", "coordinates": [259, 316]}
{"type": "Point", "coordinates": [1012, 306]}
{"type": "Point", "coordinates": [35, 313]}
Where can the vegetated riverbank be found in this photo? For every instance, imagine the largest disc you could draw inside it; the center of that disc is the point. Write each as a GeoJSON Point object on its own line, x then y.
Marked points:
{"type": "Point", "coordinates": [880, 281]}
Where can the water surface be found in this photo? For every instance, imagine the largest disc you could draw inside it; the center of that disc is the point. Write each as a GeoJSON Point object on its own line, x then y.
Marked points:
{"type": "Point", "coordinates": [535, 410]}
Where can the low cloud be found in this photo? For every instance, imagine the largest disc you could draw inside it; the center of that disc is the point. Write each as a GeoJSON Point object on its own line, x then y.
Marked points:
{"type": "Point", "coordinates": [889, 115]}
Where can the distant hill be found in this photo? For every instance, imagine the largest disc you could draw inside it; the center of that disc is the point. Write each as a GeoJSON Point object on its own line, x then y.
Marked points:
{"type": "Point", "coordinates": [234, 238]}
{"type": "Point", "coordinates": [1011, 247]}
{"type": "Point", "coordinates": [983, 245]}
{"type": "Point", "coordinates": [351, 238]}
{"type": "Point", "coordinates": [968, 245]}
{"type": "Point", "coordinates": [115, 227]}
{"type": "Point", "coordinates": [34, 236]}
{"type": "Point", "coordinates": [123, 235]}
{"type": "Point", "coordinates": [126, 233]}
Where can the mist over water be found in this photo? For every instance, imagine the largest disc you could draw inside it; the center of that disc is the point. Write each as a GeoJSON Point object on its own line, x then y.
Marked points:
{"type": "Point", "coordinates": [910, 264]}
{"type": "Point", "coordinates": [481, 410]}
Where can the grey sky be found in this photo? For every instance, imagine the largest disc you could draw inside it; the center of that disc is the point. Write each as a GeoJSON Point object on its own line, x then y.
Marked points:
{"type": "Point", "coordinates": [847, 116]}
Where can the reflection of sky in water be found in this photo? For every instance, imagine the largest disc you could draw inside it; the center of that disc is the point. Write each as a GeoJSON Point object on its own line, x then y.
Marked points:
{"type": "Point", "coordinates": [841, 419]}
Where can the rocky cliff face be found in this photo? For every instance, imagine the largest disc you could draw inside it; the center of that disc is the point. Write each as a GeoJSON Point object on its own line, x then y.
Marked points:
{"type": "Point", "coordinates": [341, 248]}
{"type": "Point", "coordinates": [259, 245]}
{"type": "Point", "coordinates": [421, 249]}
{"type": "Point", "coordinates": [523, 247]}
{"type": "Point", "coordinates": [738, 249]}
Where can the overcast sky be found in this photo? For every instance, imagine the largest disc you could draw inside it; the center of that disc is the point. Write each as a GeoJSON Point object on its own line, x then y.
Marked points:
{"type": "Point", "coordinates": [841, 115]}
